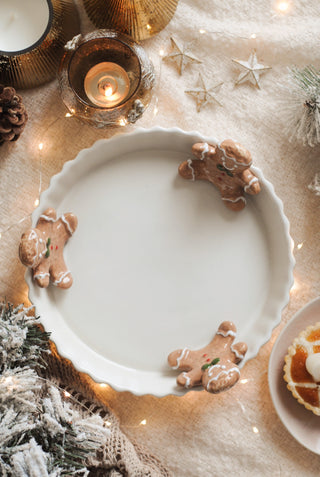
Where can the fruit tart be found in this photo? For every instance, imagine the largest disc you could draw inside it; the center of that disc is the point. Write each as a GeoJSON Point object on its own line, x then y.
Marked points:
{"type": "Point", "coordinates": [302, 368]}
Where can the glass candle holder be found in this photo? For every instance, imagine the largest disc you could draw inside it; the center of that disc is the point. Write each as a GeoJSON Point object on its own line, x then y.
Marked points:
{"type": "Point", "coordinates": [106, 79]}
{"type": "Point", "coordinates": [32, 36]}
{"type": "Point", "coordinates": [140, 19]}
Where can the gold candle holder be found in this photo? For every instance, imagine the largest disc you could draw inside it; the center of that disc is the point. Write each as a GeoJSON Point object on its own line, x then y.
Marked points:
{"type": "Point", "coordinates": [32, 36]}
{"type": "Point", "coordinates": [140, 19]}
{"type": "Point", "coordinates": [106, 79]}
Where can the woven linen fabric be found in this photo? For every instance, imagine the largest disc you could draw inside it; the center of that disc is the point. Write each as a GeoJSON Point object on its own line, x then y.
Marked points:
{"type": "Point", "coordinates": [237, 432]}
{"type": "Point", "coordinates": [118, 456]}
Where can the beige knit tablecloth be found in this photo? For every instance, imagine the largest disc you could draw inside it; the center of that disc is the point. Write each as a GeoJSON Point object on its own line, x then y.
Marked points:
{"type": "Point", "coordinates": [199, 434]}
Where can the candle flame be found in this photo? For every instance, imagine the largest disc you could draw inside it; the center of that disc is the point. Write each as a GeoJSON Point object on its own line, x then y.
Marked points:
{"type": "Point", "coordinates": [108, 90]}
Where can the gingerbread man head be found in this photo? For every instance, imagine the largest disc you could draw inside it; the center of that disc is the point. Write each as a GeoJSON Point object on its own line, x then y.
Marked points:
{"type": "Point", "coordinates": [32, 247]}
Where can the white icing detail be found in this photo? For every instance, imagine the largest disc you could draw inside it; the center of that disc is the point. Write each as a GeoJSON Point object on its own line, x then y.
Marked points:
{"type": "Point", "coordinates": [63, 278]}
{"type": "Point", "coordinates": [253, 180]}
{"type": "Point", "coordinates": [304, 385]}
{"type": "Point", "coordinates": [226, 373]}
{"type": "Point", "coordinates": [228, 333]}
{"type": "Point", "coordinates": [235, 200]}
{"type": "Point", "coordinates": [189, 162]}
{"type": "Point", "coordinates": [184, 354]}
{"type": "Point", "coordinates": [187, 378]}
{"type": "Point", "coordinates": [236, 352]}
{"type": "Point", "coordinates": [40, 240]}
{"type": "Point", "coordinates": [47, 218]}
{"type": "Point", "coordinates": [41, 275]}
{"type": "Point", "coordinates": [204, 152]}
{"type": "Point", "coordinates": [313, 366]}
{"type": "Point", "coordinates": [64, 220]}
{"type": "Point", "coordinates": [236, 163]}
{"type": "Point", "coordinates": [231, 333]}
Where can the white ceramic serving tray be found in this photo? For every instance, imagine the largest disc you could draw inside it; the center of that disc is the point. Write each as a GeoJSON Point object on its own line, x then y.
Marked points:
{"type": "Point", "coordinates": [158, 262]}
{"type": "Point", "coordinates": [302, 424]}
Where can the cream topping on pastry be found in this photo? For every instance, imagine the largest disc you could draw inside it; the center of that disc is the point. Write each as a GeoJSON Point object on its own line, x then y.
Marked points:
{"type": "Point", "coordinates": [313, 366]}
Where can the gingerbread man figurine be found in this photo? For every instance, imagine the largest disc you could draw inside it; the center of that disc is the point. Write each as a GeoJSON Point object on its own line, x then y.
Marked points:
{"type": "Point", "coordinates": [215, 365]}
{"type": "Point", "coordinates": [41, 248]}
{"type": "Point", "coordinates": [227, 166]}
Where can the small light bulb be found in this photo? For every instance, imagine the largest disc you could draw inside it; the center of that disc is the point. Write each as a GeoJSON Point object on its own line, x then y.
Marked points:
{"type": "Point", "coordinates": [202, 31]}
{"type": "Point", "coordinates": [103, 385]}
{"type": "Point", "coordinates": [244, 381]}
{"type": "Point", "coordinates": [68, 115]}
{"type": "Point", "coordinates": [253, 36]}
{"type": "Point", "coordinates": [161, 52]}
{"type": "Point", "coordinates": [36, 202]}
{"type": "Point", "coordinates": [148, 27]}
{"type": "Point", "coordinates": [143, 422]}
{"type": "Point", "coordinates": [0, 235]}
{"type": "Point", "coordinates": [255, 429]}
{"type": "Point", "coordinates": [66, 394]}
{"type": "Point", "coordinates": [107, 423]}
{"type": "Point", "coordinates": [40, 146]}
{"type": "Point", "coordinates": [283, 6]}
{"type": "Point", "coordinates": [299, 246]}
{"type": "Point", "coordinates": [122, 122]}
{"type": "Point", "coordinates": [155, 110]}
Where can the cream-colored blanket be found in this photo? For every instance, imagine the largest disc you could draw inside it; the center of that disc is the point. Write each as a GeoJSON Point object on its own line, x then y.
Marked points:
{"type": "Point", "coordinates": [239, 432]}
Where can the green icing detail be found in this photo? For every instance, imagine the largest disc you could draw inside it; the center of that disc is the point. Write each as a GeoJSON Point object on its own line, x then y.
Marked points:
{"type": "Point", "coordinates": [208, 365]}
{"type": "Point", "coordinates": [224, 169]}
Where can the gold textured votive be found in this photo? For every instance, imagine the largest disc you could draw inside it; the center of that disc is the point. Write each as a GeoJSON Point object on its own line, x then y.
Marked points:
{"type": "Point", "coordinates": [106, 78]}
{"type": "Point", "coordinates": [32, 36]}
{"type": "Point", "coordinates": [140, 19]}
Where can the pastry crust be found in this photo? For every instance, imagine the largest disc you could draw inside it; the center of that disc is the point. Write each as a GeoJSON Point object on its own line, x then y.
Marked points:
{"type": "Point", "coordinates": [303, 345]}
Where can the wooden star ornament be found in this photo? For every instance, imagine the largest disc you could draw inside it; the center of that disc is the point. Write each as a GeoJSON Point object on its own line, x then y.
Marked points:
{"type": "Point", "coordinates": [203, 94]}
{"type": "Point", "coordinates": [180, 56]}
{"type": "Point", "coordinates": [251, 70]}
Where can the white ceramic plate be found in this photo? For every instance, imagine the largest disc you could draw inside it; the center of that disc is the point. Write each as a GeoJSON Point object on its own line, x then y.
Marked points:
{"type": "Point", "coordinates": [301, 423]}
{"type": "Point", "coordinates": [158, 262]}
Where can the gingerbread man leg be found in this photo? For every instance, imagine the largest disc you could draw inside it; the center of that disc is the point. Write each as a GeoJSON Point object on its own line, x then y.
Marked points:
{"type": "Point", "coordinates": [41, 275]}
{"type": "Point", "coordinates": [190, 376]}
{"type": "Point", "coordinates": [61, 276]}
{"type": "Point", "coordinates": [233, 201]}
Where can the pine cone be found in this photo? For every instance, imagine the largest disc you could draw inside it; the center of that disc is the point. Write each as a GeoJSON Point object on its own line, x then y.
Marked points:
{"type": "Point", "coordinates": [13, 115]}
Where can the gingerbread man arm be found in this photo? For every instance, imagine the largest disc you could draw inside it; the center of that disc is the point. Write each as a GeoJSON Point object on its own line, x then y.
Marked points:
{"type": "Point", "coordinates": [215, 365]}
{"type": "Point", "coordinates": [49, 215]}
{"type": "Point", "coordinates": [70, 222]}
{"type": "Point", "coordinates": [251, 184]}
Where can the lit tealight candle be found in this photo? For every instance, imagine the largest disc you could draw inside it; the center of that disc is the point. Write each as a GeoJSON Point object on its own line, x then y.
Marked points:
{"type": "Point", "coordinates": [107, 84]}
{"type": "Point", "coordinates": [23, 24]}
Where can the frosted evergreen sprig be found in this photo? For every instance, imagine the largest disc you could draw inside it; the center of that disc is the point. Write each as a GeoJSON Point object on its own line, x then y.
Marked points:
{"type": "Point", "coordinates": [22, 342]}
{"type": "Point", "coordinates": [304, 112]}
{"type": "Point", "coordinates": [41, 433]}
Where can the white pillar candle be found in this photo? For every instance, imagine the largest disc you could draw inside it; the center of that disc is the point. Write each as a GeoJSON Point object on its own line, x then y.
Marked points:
{"type": "Point", "coordinates": [106, 84]}
{"type": "Point", "coordinates": [22, 23]}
